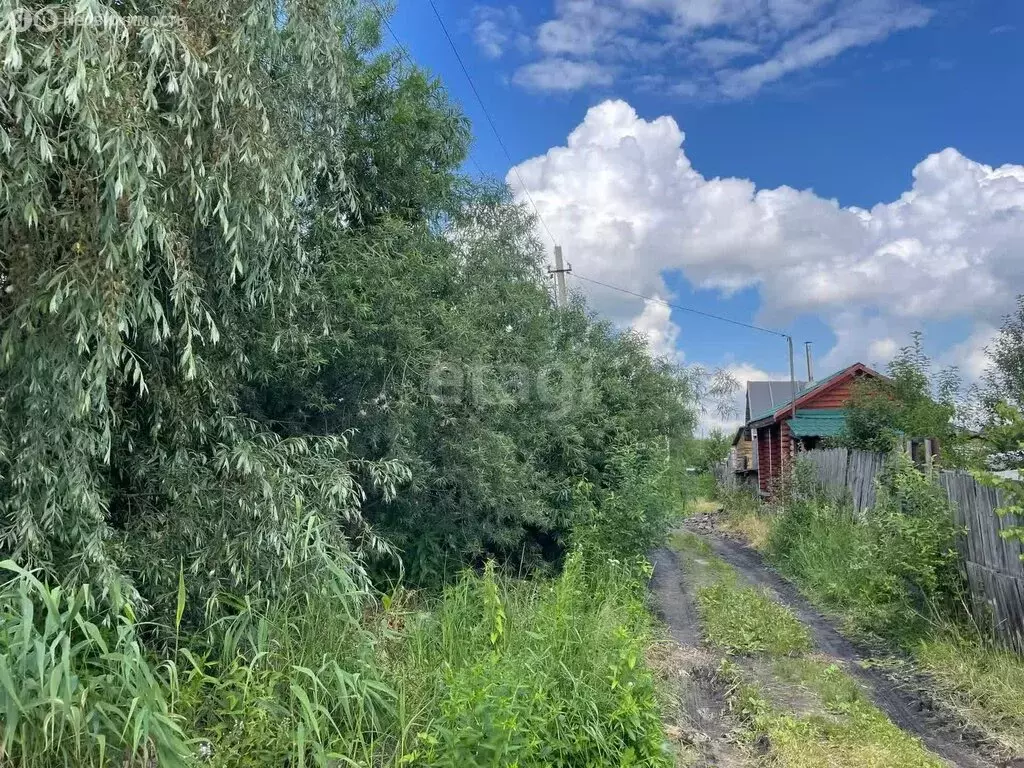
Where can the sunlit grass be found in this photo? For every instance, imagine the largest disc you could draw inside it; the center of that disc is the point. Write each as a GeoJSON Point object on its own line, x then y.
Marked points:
{"type": "Point", "coordinates": [983, 683]}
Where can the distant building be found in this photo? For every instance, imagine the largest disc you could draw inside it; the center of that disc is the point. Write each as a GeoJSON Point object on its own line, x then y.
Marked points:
{"type": "Point", "coordinates": [775, 434]}
{"type": "Point", "coordinates": [762, 396]}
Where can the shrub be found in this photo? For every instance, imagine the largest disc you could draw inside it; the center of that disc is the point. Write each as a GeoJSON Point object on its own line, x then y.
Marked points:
{"type": "Point", "coordinates": [539, 673]}
{"type": "Point", "coordinates": [889, 572]}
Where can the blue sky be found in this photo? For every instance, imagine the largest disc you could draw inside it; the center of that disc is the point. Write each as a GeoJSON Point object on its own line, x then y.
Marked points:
{"type": "Point", "coordinates": [786, 106]}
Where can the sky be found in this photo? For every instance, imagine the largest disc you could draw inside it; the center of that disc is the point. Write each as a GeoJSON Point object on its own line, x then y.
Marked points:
{"type": "Point", "coordinates": [844, 171]}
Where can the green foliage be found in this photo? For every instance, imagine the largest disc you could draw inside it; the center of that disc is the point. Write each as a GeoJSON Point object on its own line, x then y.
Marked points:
{"type": "Point", "coordinates": [539, 673]}
{"type": "Point", "coordinates": [889, 572]}
{"type": "Point", "coordinates": [910, 403]}
{"type": "Point", "coordinates": [1004, 440]}
{"type": "Point", "coordinates": [706, 452]}
{"type": "Point", "coordinates": [742, 619]}
{"type": "Point", "coordinates": [258, 340]}
{"type": "Point", "coordinates": [1004, 379]}
{"type": "Point", "coordinates": [158, 183]}
{"type": "Point", "coordinates": [77, 687]}
{"type": "Point", "coordinates": [513, 418]}
{"type": "Point", "coordinates": [297, 681]}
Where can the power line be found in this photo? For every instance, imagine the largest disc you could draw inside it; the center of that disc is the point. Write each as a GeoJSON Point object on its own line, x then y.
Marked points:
{"type": "Point", "coordinates": [490, 120]}
{"type": "Point", "coordinates": [526, 189]}
{"type": "Point", "coordinates": [408, 57]}
{"type": "Point", "coordinates": [681, 308]}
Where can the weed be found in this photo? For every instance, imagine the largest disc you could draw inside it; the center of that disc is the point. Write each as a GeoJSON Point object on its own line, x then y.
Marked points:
{"type": "Point", "coordinates": [983, 683]}
{"type": "Point", "coordinates": [76, 687]}
{"type": "Point", "coordinates": [848, 732]}
{"type": "Point", "coordinates": [890, 573]}
{"type": "Point", "coordinates": [894, 576]}
{"type": "Point", "coordinates": [563, 683]}
{"type": "Point", "coordinates": [742, 619]}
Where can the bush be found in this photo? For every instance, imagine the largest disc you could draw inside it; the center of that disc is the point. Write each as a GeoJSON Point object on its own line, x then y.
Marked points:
{"type": "Point", "coordinates": [535, 673]}
{"type": "Point", "coordinates": [888, 573]}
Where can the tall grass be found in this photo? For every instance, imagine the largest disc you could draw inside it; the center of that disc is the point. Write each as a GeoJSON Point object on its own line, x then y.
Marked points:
{"type": "Point", "coordinates": [893, 572]}
{"type": "Point", "coordinates": [494, 671]}
{"type": "Point", "coordinates": [537, 673]}
{"type": "Point", "coordinates": [76, 686]}
{"type": "Point", "coordinates": [894, 575]}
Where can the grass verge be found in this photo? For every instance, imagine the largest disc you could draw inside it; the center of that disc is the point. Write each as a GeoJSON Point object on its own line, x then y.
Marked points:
{"type": "Point", "coordinates": [848, 731]}
{"type": "Point", "coordinates": [741, 619]}
{"type": "Point", "coordinates": [983, 684]}
{"type": "Point", "coordinates": [886, 579]}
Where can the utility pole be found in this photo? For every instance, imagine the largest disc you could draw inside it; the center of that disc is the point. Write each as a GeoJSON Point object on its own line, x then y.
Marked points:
{"type": "Point", "coordinates": [559, 273]}
{"type": "Point", "coordinates": [792, 374]}
{"type": "Point", "coordinates": [810, 367]}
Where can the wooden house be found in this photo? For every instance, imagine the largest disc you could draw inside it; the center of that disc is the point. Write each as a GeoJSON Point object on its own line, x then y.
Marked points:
{"type": "Point", "coordinates": [761, 396]}
{"type": "Point", "coordinates": [782, 429]}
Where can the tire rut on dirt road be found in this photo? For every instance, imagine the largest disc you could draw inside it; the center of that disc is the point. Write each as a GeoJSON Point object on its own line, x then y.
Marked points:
{"type": "Point", "coordinates": [702, 701]}
{"type": "Point", "coordinates": [902, 707]}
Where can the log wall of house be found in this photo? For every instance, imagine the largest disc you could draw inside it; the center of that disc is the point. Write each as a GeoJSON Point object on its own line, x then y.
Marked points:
{"type": "Point", "coordinates": [769, 456]}
{"type": "Point", "coordinates": [745, 452]}
{"type": "Point", "coordinates": [831, 397]}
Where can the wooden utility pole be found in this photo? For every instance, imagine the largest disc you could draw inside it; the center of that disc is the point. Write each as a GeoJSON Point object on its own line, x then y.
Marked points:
{"type": "Point", "coordinates": [810, 368]}
{"type": "Point", "coordinates": [559, 273]}
{"type": "Point", "coordinates": [792, 374]}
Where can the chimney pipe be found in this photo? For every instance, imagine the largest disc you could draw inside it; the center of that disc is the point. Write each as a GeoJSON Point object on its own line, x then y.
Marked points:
{"type": "Point", "coordinates": [810, 368]}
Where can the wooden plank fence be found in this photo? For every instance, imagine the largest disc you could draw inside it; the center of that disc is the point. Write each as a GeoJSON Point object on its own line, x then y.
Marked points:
{"type": "Point", "coordinates": [848, 474]}
{"type": "Point", "coordinates": [995, 571]}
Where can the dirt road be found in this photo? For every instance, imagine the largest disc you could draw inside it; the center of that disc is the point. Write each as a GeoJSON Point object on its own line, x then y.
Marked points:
{"type": "Point", "coordinates": [675, 594]}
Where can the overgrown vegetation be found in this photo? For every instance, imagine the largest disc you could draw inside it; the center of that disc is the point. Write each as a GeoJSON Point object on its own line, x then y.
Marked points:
{"type": "Point", "coordinates": [983, 682]}
{"type": "Point", "coordinates": [741, 619]}
{"type": "Point", "coordinates": [265, 352]}
{"type": "Point", "coordinates": [912, 402]}
{"type": "Point", "coordinates": [890, 572]}
{"type": "Point", "coordinates": [537, 674]}
{"type": "Point", "coordinates": [893, 575]}
{"type": "Point", "coordinates": [849, 731]}
{"type": "Point", "coordinates": [797, 709]}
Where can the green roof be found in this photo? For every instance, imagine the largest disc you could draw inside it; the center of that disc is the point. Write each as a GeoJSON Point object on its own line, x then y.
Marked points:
{"type": "Point", "coordinates": [799, 394]}
{"type": "Point", "coordinates": [818, 422]}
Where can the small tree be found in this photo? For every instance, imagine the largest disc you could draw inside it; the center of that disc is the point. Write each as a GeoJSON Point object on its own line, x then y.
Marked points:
{"type": "Point", "coordinates": [1004, 437]}
{"type": "Point", "coordinates": [1003, 382]}
{"type": "Point", "coordinates": [911, 402]}
{"type": "Point", "coordinates": [1002, 404]}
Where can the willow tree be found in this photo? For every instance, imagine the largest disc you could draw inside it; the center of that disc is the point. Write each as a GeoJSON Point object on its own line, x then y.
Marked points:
{"type": "Point", "coordinates": [159, 163]}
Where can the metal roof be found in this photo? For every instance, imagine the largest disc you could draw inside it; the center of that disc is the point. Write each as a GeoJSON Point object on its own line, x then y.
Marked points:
{"type": "Point", "coordinates": [818, 422]}
{"type": "Point", "coordinates": [769, 395]}
{"type": "Point", "coordinates": [800, 392]}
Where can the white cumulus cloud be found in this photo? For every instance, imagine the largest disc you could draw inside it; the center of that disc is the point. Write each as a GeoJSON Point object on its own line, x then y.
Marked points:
{"type": "Point", "coordinates": [627, 205]}
{"type": "Point", "coordinates": [655, 322]}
